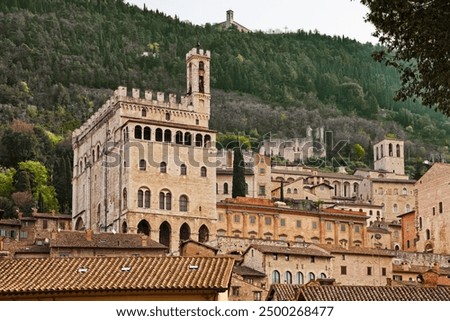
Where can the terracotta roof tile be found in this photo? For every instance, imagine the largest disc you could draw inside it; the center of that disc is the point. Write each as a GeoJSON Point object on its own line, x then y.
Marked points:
{"type": "Point", "coordinates": [373, 293]}
{"type": "Point", "coordinates": [246, 271]}
{"type": "Point", "coordinates": [56, 275]}
{"type": "Point", "coordinates": [284, 292]}
{"type": "Point", "coordinates": [358, 250]}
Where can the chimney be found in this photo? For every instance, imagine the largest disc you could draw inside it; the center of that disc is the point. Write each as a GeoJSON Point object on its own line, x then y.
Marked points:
{"type": "Point", "coordinates": [89, 234]}
{"type": "Point", "coordinates": [144, 240]}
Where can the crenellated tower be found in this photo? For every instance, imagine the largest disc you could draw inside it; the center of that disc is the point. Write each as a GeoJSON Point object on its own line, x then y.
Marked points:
{"type": "Point", "coordinates": [198, 79]}
{"type": "Point", "coordinates": [145, 162]}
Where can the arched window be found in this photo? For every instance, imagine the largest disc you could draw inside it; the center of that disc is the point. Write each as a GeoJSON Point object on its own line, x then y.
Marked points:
{"type": "Point", "coordinates": [398, 150]}
{"type": "Point", "coordinates": [289, 191]}
{"type": "Point", "coordinates": [144, 198]}
{"type": "Point", "coordinates": [140, 198]}
{"type": "Point", "coordinates": [311, 276]}
{"type": "Point", "coordinates": [300, 278]}
{"type": "Point", "coordinates": [395, 208]}
{"type": "Point", "coordinates": [144, 112]}
{"type": "Point", "coordinates": [124, 199]}
{"type": "Point", "coordinates": [93, 155]}
{"type": "Point", "coordinates": [158, 135]}
{"type": "Point", "coordinates": [295, 191]}
{"type": "Point", "coordinates": [188, 138]}
{"type": "Point", "coordinates": [404, 191]}
{"type": "Point", "coordinates": [217, 188]}
{"type": "Point", "coordinates": [147, 133]}
{"type": "Point", "coordinates": [125, 134]}
{"type": "Point", "coordinates": [225, 188]}
{"type": "Point", "coordinates": [163, 167]}
{"type": "Point", "coordinates": [165, 231]}
{"type": "Point", "coordinates": [322, 276]}
{"type": "Point", "coordinates": [183, 203]}
{"type": "Point", "coordinates": [178, 137]}
{"type": "Point", "coordinates": [147, 199]}
{"type": "Point", "coordinates": [165, 200]}
{"type": "Point", "coordinates": [377, 154]}
{"type": "Point", "coordinates": [420, 223]}
{"type": "Point", "coordinates": [207, 141]}
{"type": "Point", "coordinates": [183, 169]}
{"type": "Point", "coordinates": [288, 277]}
{"type": "Point", "coordinates": [167, 116]}
{"type": "Point", "coordinates": [428, 234]}
{"type": "Point", "coordinates": [246, 189]}
{"type": "Point", "coordinates": [124, 227]}
{"type": "Point", "coordinates": [199, 140]}
{"type": "Point", "coordinates": [203, 171]}
{"type": "Point", "coordinates": [142, 165]}
{"type": "Point", "coordinates": [391, 153]}
{"type": "Point", "coordinates": [98, 151]}
{"type": "Point", "coordinates": [79, 225]}
{"type": "Point", "coordinates": [185, 232]}
{"type": "Point", "coordinates": [201, 65]}
{"type": "Point", "coordinates": [275, 277]}
{"type": "Point", "coordinates": [407, 207]}
{"type": "Point", "coordinates": [143, 228]}
{"type": "Point", "coordinates": [167, 136]}
{"type": "Point", "coordinates": [203, 234]}
{"type": "Point", "coordinates": [138, 132]}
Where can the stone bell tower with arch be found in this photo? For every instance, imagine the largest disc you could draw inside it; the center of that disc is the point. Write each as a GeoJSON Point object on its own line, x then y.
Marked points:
{"type": "Point", "coordinates": [198, 79]}
{"type": "Point", "coordinates": [389, 156]}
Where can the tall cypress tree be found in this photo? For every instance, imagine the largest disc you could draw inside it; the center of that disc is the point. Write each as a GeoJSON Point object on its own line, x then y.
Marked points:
{"type": "Point", "coordinates": [238, 173]}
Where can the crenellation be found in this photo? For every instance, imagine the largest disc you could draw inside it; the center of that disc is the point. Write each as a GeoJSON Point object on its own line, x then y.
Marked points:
{"type": "Point", "coordinates": [172, 99]}
{"type": "Point", "coordinates": [136, 93]}
{"type": "Point", "coordinates": [148, 95]}
{"type": "Point", "coordinates": [160, 97]}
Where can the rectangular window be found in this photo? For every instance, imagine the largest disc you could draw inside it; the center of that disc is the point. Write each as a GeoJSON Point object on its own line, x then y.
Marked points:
{"type": "Point", "coordinates": [252, 219]}
{"type": "Point", "coordinates": [328, 226]}
{"type": "Point", "coordinates": [383, 271]}
{"type": "Point", "coordinates": [268, 220]}
{"type": "Point", "coordinates": [283, 222]}
{"type": "Point", "coordinates": [262, 190]}
{"type": "Point", "coordinates": [434, 211]}
{"type": "Point", "coordinates": [257, 296]}
{"type": "Point", "coordinates": [275, 256]}
{"type": "Point", "coordinates": [441, 208]}
{"type": "Point", "coordinates": [314, 225]}
{"type": "Point", "coordinates": [237, 219]}
{"type": "Point", "coordinates": [12, 234]}
{"type": "Point", "coordinates": [369, 270]}
{"type": "Point", "coordinates": [299, 223]}
{"type": "Point", "coordinates": [343, 270]}
{"type": "Point", "coordinates": [313, 259]}
{"type": "Point", "coordinates": [235, 290]}
{"type": "Point", "coordinates": [62, 225]}
{"type": "Point", "coordinates": [220, 217]}
{"type": "Point", "coordinates": [357, 229]}
{"type": "Point", "coordinates": [342, 227]}
{"type": "Point", "coordinates": [2, 233]}
{"type": "Point", "coordinates": [262, 171]}
{"type": "Point", "coordinates": [23, 234]}
{"type": "Point", "coordinates": [44, 224]}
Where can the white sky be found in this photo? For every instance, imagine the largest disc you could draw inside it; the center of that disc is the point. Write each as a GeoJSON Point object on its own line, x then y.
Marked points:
{"type": "Point", "coordinates": [331, 17]}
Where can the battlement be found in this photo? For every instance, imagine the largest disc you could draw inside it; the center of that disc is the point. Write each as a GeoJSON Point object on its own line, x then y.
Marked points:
{"type": "Point", "coordinates": [136, 97]}
{"type": "Point", "coordinates": [198, 51]}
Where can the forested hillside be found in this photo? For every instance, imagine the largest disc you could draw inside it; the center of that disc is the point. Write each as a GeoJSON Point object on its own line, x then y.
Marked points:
{"type": "Point", "coordinates": [61, 59]}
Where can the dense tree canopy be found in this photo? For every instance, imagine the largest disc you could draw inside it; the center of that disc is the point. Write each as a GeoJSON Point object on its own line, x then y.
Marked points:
{"type": "Point", "coordinates": [416, 35]}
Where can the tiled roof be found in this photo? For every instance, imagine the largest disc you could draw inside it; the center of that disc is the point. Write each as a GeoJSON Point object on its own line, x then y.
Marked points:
{"type": "Point", "coordinates": [373, 293]}
{"type": "Point", "coordinates": [291, 250]}
{"type": "Point", "coordinates": [284, 292]}
{"type": "Point", "coordinates": [34, 249]}
{"type": "Point", "coordinates": [246, 271]}
{"type": "Point", "coordinates": [53, 216]}
{"type": "Point", "coordinates": [77, 239]}
{"type": "Point", "coordinates": [57, 275]}
{"type": "Point", "coordinates": [10, 222]}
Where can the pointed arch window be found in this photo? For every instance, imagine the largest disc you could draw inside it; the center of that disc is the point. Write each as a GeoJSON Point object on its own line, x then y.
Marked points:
{"type": "Point", "coordinates": [163, 167]}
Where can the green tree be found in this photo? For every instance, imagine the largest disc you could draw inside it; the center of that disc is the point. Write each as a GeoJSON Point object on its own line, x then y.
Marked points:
{"type": "Point", "coordinates": [359, 151]}
{"type": "Point", "coordinates": [40, 184]}
{"type": "Point", "coordinates": [7, 182]}
{"type": "Point", "coordinates": [238, 174]}
{"type": "Point", "coordinates": [416, 37]}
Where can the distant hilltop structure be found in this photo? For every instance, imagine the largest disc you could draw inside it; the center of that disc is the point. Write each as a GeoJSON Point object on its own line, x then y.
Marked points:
{"type": "Point", "coordinates": [230, 23]}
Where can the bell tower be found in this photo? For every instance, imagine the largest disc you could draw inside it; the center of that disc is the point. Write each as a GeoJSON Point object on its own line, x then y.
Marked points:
{"type": "Point", "coordinates": [198, 79]}
{"type": "Point", "coordinates": [389, 156]}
